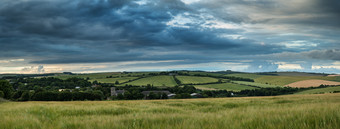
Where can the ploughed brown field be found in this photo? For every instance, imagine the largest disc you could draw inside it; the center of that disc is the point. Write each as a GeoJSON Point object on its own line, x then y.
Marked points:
{"type": "Point", "coordinates": [312, 83]}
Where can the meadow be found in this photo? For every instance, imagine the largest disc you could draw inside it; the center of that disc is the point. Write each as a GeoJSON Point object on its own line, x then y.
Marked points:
{"type": "Point", "coordinates": [195, 80]}
{"type": "Point", "coordinates": [163, 80]}
{"type": "Point", "coordinates": [113, 80]}
{"type": "Point", "coordinates": [245, 75]}
{"type": "Point", "coordinates": [284, 80]}
{"type": "Point", "coordinates": [280, 112]}
{"type": "Point", "coordinates": [224, 86]}
{"type": "Point", "coordinates": [256, 84]}
{"type": "Point", "coordinates": [321, 90]}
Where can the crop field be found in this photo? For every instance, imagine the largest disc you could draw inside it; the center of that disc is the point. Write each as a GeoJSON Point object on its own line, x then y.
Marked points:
{"type": "Point", "coordinates": [113, 80]}
{"type": "Point", "coordinates": [163, 80]}
{"type": "Point", "coordinates": [281, 112]}
{"type": "Point", "coordinates": [224, 86]}
{"type": "Point", "coordinates": [321, 90]}
{"type": "Point", "coordinates": [203, 73]}
{"type": "Point", "coordinates": [312, 83]}
{"type": "Point", "coordinates": [245, 75]}
{"type": "Point", "coordinates": [195, 80]}
{"type": "Point", "coordinates": [94, 76]}
{"type": "Point", "coordinates": [91, 76]}
{"type": "Point", "coordinates": [284, 80]}
{"type": "Point", "coordinates": [299, 74]}
{"type": "Point", "coordinates": [256, 84]}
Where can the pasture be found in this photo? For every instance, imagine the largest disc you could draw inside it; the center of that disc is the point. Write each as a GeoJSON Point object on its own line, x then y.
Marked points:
{"type": "Point", "coordinates": [163, 80]}
{"type": "Point", "coordinates": [245, 75]}
{"type": "Point", "coordinates": [256, 84]}
{"type": "Point", "coordinates": [224, 86]}
{"type": "Point", "coordinates": [312, 83]}
{"type": "Point", "coordinates": [321, 90]}
{"type": "Point", "coordinates": [195, 80]}
{"type": "Point", "coordinates": [280, 112]}
{"type": "Point", "coordinates": [284, 80]}
{"type": "Point", "coordinates": [113, 80]}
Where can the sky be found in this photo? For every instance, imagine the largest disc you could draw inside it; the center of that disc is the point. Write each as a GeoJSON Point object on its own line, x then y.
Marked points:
{"type": "Point", "coordinates": [86, 36]}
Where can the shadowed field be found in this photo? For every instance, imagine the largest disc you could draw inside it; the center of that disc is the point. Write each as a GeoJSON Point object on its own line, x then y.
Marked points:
{"type": "Point", "coordinates": [321, 90]}
{"type": "Point", "coordinates": [293, 111]}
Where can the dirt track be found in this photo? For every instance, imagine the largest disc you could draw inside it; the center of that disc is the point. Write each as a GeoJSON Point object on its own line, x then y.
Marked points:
{"type": "Point", "coordinates": [312, 83]}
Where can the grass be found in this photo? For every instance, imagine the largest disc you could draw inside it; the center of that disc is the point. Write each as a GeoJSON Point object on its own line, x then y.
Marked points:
{"type": "Point", "coordinates": [284, 80]}
{"type": "Point", "coordinates": [163, 80]}
{"type": "Point", "coordinates": [282, 112]}
{"type": "Point", "coordinates": [298, 74]}
{"type": "Point", "coordinates": [321, 90]}
{"type": "Point", "coordinates": [256, 84]}
{"type": "Point", "coordinates": [245, 75]}
{"type": "Point", "coordinates": [3, 100]}
{"type": "Point", "coordinates": [224, 86]}
{"type": "Point", "coordinates": [96, 76]}
{"type": "Point", "coordinates": [113, 80]}
{"type": "Point", "coordinates": [195, 80]}
{"type": "Point", "coordinates": [92, 76]}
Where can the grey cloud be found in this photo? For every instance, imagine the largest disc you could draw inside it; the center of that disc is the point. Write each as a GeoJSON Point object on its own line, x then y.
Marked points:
{"type": "Point", "coordinates": [333, 54]}
{"type": "Point", "coordinates": [92, 31]}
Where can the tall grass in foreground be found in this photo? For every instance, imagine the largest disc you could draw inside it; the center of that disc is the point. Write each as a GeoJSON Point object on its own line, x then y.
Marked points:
{"type": "Point", "coordinates": [295, 111]}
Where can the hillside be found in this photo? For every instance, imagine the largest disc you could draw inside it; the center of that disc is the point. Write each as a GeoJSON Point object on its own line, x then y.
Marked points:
{"type": "Point", "coordinates": [293, 111]}
{"type": "Point", "coordinates": [312, 83]}
{"type": "Point", "coordinates": [224, 86]}
{"type": "Point", "coordinates": [321, 90]}
{"type": "Point", "coordinates": [284, 80]}
{"type": "Point", "coordinates": [195, 80]}
{"type": "Point", "coordinates": [262, 80]}
{"type": "Point", "coordinates": [163, 80]}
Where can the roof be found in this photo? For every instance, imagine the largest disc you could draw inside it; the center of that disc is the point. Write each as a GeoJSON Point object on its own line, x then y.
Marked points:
{"type": "Point", "coordinates": [195, 94]}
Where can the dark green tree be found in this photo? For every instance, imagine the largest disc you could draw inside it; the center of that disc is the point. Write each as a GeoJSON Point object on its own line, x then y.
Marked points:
{"type": "Point", "coordinates": [6, 88]}
{"type": "Point", "coordinates": [2, 94]}
{"type": "Point", "coordinates": [25, 96]}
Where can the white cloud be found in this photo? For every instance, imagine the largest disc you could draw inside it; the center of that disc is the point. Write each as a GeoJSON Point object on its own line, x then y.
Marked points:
{"type": "Point", "coordinates": [12, 60]}
{"type": "Point", "coordinates": [33, 70]}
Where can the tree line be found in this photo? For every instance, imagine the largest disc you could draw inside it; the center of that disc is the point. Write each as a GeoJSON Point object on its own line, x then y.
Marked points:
{"type": "Point", "coordinates": [47, 89]}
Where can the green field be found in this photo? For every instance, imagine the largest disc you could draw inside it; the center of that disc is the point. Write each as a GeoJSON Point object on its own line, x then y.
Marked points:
{"type": "Point", "coordinates": [113, 80]}
{"type": "Point", "coordinates": [245, 75]}
{"type": "Point", "coordinates": [195, 80]}
{"type": "Point", "coordinates": [320, 90]}
{"type": "Point", "coordinates": [284, 80]}
{"type": "Point", "coordinates": [255, 84]}
{"type": "Point", "coordinates": [224, 86]}
{"type": "Point", "coordinates": [163, 80]}
{"type": "Point", "coordinates": [92, 76]}
{"type": "Point", "coordinates": [282, 112]}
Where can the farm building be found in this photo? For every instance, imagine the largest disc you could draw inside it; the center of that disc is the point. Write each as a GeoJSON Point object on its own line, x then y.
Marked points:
{"type": "Point", "coordinates": [115, 92]}
{"type": "Point", "coordinates": [196, 95]}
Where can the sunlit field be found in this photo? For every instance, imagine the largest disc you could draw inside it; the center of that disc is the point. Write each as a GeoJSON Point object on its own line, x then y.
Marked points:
{"type": "Point", "coordinates": [292, 111]}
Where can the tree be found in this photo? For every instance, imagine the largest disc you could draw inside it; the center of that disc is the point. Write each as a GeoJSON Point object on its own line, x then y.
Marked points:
{"type": "Point", "coordinates": [25, 96]}
{"type": "Point", "coordinates": [6, 88]}
{"type": "Point", "coordinates": [2, 94]}
{"type": "Point", "coordinates": [117, 82]}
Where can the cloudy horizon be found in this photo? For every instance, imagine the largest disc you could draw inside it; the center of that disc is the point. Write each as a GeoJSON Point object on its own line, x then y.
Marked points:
{"type": "Point", "coordinates": [86, 36]}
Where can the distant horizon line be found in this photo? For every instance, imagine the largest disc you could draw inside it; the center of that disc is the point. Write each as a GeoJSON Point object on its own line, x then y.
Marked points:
{"type": "Point", "coordinates": [170, 71]}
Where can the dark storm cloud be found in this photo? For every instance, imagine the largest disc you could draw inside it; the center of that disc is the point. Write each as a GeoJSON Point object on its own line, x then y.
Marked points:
{"type": "Point", "coordinates": [333, 54]}
{"type": "Point", "coordinates": [103, 31]}
{"type": "Point", "coordinates": [92, 31]}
